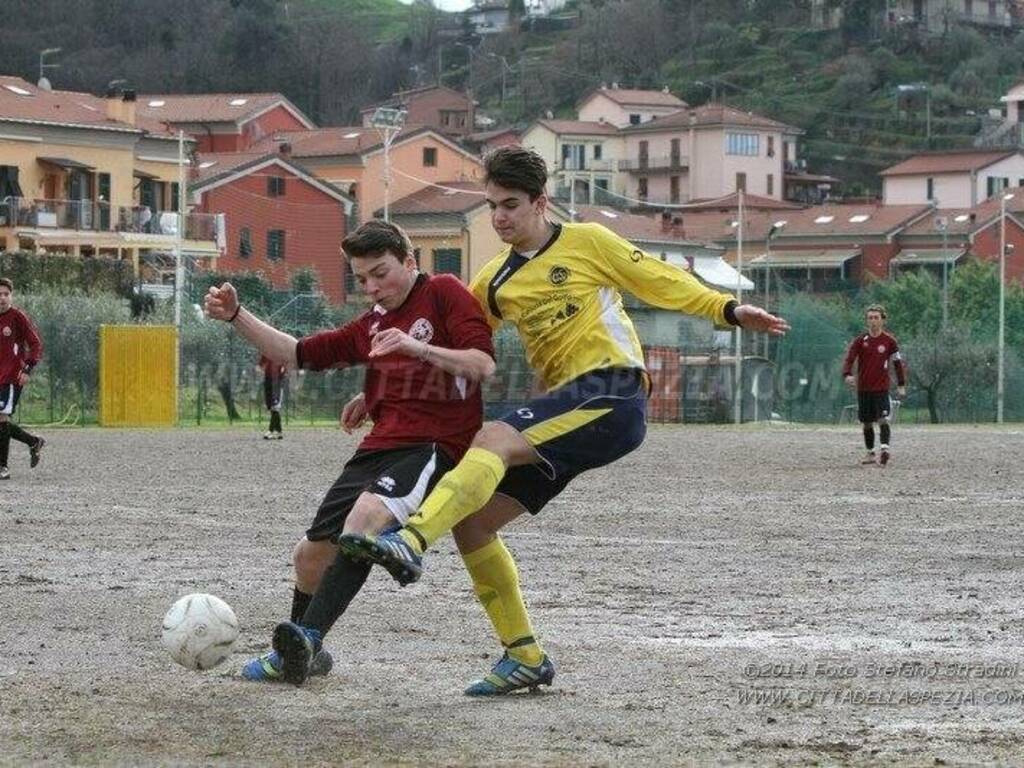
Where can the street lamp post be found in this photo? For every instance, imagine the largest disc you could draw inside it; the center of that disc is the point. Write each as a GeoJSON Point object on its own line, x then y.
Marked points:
{"type": "Point", "coordinates": [44, 66]}
{"type": "Point", "coordinates": [1001, 371]}
{"type": "Point", "coordinates": [471, 50]}
{"type": "Point", "coordinates": [388, 122]}
{"type": "Point", "coordinates": [942, 224]}
{"type": "Point", "coordinates": [504, 66]}
{"type": "Point", "coordinates": [737, 413]}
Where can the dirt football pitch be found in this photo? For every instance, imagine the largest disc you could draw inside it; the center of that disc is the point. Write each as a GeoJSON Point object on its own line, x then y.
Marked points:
{"type": "Point", "coordinates": [721, 596]}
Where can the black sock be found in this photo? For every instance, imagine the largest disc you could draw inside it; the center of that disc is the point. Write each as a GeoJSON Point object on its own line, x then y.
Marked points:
{"type": "Point", "coordinates": [20, 434]}
{"type": "Point", "coordinates": [275, 421]}
{"type": "Point", "coordinates": [884, 434]}
{"type": "Point", "coordinates": [300, 602]}
{"type": "Point", "coordinates": [869, 436]}
{"type": "Point", "coordinates": [5, 442]}
{"type": "Point", "coordinates": [340, 583]}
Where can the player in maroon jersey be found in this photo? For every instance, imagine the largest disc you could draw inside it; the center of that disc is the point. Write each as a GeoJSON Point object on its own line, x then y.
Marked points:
{"type": "Point", "coordinates": [274, 383]}
{"type": "Point", "coordinates": [426, 346]}
{"type": "Point", "coordinates": [21, 349]}
{"type": "Point", "coordinates": [873, 352]}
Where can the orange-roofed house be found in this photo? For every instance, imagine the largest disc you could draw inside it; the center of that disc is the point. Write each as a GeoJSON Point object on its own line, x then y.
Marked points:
{"type": "Point", "coordinates": [224, 122]}
{"type": "Point", "coordinates": [352, 159]}
{"type": "Point", "coordinates": [280, 218]}
{"type": "Point", "coordinates": [627, 106]}
{"type": "Point", "coordinates": [954, 178]}
{"type": "Point", "coordinates": [88, 175]}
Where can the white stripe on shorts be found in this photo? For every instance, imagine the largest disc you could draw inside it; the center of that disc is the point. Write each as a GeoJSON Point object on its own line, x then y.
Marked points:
{"type": "Point", "coordinates": [8, 400]}
{"type": "Point", "coordinates": [403, 507]}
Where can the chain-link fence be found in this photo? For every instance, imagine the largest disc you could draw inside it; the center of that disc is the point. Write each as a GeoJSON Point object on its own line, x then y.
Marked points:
{"type": "Point", "coordinates": [798, 378]}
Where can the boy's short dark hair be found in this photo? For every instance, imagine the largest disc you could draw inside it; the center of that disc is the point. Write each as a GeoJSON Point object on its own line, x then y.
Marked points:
{"type": "Point", "coordinates": [376, 237]}
{"type": "Point", "coordinates": [876, 308]}
{"type": "Point", "coordinates": [7, 283]}
{"type": "Point", "coordinates": [517, 168]}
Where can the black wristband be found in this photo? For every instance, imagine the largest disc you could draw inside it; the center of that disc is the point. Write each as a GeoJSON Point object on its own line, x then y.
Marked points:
{"type": "Point", "coordinates": [237, 310]}
{"type": "Point", "coordinates": [730, 313]}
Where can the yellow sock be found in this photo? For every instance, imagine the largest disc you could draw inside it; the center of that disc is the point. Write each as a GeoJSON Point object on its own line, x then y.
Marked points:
{"type": "Point", "coordinates": [496, 584]}
{"type": "Point", "coordinates": [457, 495]}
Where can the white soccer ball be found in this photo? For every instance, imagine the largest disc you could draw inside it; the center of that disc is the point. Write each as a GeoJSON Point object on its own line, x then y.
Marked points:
{"type": "Point", "coordinates": [200, 631]}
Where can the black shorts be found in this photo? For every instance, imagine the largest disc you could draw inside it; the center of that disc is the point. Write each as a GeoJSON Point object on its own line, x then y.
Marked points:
{"type": "Point", "coordinates": [9, 395]}
{"type": "Point", "coordinates": [590, 422]}
{"type": "Point", "coordinates": [873, 406]}
{"type": "Point", "coordinates": [400, 477]}
{"type": "Point", "coordinates": [273, 392]}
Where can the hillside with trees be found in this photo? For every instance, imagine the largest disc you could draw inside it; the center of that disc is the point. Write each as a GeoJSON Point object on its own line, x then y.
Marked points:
{"type": "Point", "coordinates": [331, 57]}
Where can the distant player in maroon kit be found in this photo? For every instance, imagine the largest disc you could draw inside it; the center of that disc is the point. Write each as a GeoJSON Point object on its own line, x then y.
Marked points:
{"type": "Point", "coordinates": [21, 349]}
{"type": "Point", "coordinates": [426, 346]}
{"type": "Point", "coordinates": [872, 352]}
{"type": "Point", "coordinates": [273, 395]}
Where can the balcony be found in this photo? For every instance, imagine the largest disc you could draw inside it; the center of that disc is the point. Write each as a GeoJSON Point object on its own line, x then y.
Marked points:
{"type": "Point", "coordinates": [585, 166]}
{"type": "Point", "coordinates": [83, 216]}
{"type": "Point", "coordinates": [657, 164]}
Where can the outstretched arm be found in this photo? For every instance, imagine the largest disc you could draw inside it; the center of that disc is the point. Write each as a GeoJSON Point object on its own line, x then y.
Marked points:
{"type": "Point", "coordinates": [222, 304]}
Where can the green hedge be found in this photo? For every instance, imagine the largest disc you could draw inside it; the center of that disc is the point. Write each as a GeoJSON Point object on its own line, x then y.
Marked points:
{"type": "Point", "coordinates": [34, 273]}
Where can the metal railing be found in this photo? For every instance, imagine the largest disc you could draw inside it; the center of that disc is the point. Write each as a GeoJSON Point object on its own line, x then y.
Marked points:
{"type": "Point", "coordinates": [574, 164]}
{"type": "Point", "coordinates": [96, 216]}
{"type": "Point", "coordinates": [655, 163]}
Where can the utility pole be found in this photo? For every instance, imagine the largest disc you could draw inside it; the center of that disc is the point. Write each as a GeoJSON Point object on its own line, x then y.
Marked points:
{"type": "Point", "coordinates": [388, 123]}
{"type": "Point", "coordinates": [738, 373]}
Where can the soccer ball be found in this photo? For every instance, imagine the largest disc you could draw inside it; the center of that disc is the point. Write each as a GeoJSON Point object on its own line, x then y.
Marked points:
{"type": "Point", "coordinates": [199, 631]}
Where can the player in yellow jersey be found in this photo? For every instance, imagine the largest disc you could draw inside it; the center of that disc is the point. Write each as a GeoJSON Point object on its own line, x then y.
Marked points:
{"type": "Point", "coordinates": [559, 285]}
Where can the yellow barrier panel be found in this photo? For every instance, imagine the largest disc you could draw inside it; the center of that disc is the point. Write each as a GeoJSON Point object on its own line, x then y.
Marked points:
{"type": "Point", "coordinates": [138, 376]}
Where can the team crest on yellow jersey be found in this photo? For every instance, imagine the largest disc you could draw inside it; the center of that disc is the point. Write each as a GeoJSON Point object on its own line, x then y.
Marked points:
{"type": "Point", "coordinates": [558, 275]}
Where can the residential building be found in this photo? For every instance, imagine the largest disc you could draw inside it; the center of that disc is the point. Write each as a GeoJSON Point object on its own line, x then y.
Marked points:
{"type": "Point", "coordinates": [543, 7]}
{"type": "Point", "coordinates": [484, 142]}
{"type": "Point", "coordinates": [447, 111]}
{"type": "Point", "coordinates": [224, 122]}
{"type": "Point", "coordinates": [489, 17]}
{"type": "Point", "coordinates": [352, 159]}
{"type": "Point", "coordinates": [450, 228]}
{"type": "Point", "coordinates": [706, 152]}
{"type": "Point", "coordinates": [822, 249]}
{"type": "Point", "coordinates": [90, 176]}
{"type": "Point", "coordinates": [953, 178]}
{"type": "Point", "coordinates": [582, 158]}
{"type": "Point", "coordinates": [939, 16]}
{"type": "Point", "coordinates": [1002, 129]}
{"type": "Point", "coordinates": [627, 106]}
{"type": "Point", "coordinates": [949, 236]}
{"type": "Point", "coordinates": [280, 217]}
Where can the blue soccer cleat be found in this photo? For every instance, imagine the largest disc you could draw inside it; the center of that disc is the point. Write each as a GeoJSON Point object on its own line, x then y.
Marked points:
{"type": "Point", "coordinates": [388, 550]}
{"type": "Point", "coordinates": [509, 675]}
{"type": "Point", "coordinates": [296, 647]}
{"type": "Point", "coordinates": [267, 668]}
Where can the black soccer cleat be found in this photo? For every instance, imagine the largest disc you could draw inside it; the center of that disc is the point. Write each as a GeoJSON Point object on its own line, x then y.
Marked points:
{"type": "Point", "coordinates": [35, 452]}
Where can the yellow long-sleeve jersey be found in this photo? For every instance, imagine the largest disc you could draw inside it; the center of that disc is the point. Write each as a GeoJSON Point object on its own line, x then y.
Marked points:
{"type": "Point", "coordinates": [566, 305]}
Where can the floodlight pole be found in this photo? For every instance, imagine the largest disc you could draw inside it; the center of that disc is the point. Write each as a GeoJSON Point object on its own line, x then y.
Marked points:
{"type": "Point", "coordinates": [388, 123]}
{"type": "Point", "coordinates": [1001, 368]}
{"type": "Point", "coordinates": [738, 374]}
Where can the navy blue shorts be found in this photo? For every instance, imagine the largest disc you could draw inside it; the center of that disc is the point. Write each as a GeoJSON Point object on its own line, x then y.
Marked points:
{"type": "Point", "coordinates": [587, 423]}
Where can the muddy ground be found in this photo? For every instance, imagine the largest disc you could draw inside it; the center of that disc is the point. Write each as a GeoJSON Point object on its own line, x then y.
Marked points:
{"type": "Point", "coordinates": [720, 596]}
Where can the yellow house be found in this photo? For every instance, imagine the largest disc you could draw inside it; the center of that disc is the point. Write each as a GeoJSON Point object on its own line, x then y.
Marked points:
{"type": "Point", "coordinates": [352, 159]}
{"type": "Point", "coordinates": [81, 175]}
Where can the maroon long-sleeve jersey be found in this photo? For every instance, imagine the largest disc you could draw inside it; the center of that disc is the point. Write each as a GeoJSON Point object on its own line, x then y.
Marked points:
{"type": "Point", "coordinates": [21, 349]}
{"type": "Point", "coordinates": [411, 401]}
{"type": "Point", "coordinates": [872, 354]}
